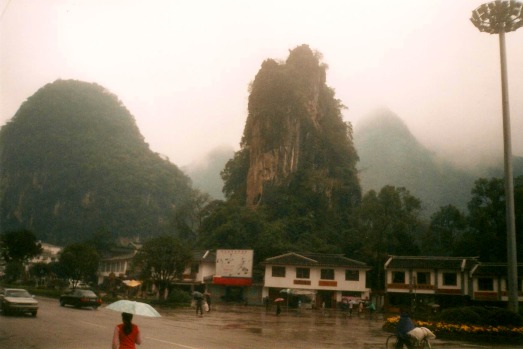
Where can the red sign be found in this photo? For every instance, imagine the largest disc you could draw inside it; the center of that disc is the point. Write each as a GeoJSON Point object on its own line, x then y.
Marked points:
{"type": "Point", "coordinates": [228, 281]}
{"type": "Point", "coordinates": [302, 282]}
{"type": "Point", "coordinates": [328, 283]}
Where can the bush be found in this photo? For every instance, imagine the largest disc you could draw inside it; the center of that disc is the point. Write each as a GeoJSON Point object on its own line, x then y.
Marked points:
{"type": "Point", "coordinates": [481, 316]}
{"type": "Point", "coordinates": [503, 317]}
{"type": "Point", "coordinates": [464, 315]}
{"type": "Point", "coordinates": [178, 297]}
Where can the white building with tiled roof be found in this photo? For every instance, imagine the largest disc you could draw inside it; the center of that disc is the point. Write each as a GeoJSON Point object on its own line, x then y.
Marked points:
{"type": "Point", "coordinates": [328, 277]}
{"type": "Point", "coordinates": [447, 281]}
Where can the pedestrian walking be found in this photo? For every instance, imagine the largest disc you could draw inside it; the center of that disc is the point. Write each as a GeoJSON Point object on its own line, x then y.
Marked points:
{"type": "Point", "coordinates": [208, 300]}
{"type": "Point", "coordinates": [199, 306]}
{"type": "Point", "coordinates": [126, 335]}
{"type": "Point", "coordinates": [372, 309]}
{"type": "Point", "coordinates": [351, 305]}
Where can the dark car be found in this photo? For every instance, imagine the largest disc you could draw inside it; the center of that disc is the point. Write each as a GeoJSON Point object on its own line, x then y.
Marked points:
{"type": "Point", "coordinates": [17, 300]}
{"type": "Point", "coordinates": [80, 298]}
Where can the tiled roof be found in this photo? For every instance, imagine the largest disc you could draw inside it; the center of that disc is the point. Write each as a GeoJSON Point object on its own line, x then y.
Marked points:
{"type": "Point", "coordinates": [314, 259]}
{"type": "Point", "coordinates": [494, 269]}
{"type": "Point", "coordinates": [121, 256]}
{"type": "Point", "coordinates": [204, 256]}
{"type": "Point", "coordinates": [416, 262]}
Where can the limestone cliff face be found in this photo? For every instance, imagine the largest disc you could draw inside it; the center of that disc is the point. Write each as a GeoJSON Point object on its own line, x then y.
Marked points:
{"type": "Point", "coordinates": [288, 125]}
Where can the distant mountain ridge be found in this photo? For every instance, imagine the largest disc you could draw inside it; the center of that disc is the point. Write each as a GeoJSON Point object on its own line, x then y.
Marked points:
{"type": "Point", "coordinates": [390, 154]}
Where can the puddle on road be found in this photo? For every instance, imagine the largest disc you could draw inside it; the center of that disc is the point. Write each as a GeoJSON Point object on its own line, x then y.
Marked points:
{"type": "Point", "coordinates": [255, 330]}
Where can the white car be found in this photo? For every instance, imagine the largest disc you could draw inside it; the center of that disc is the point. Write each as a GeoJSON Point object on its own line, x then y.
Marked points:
{"type": "Point", "coordinates": [17, 300]}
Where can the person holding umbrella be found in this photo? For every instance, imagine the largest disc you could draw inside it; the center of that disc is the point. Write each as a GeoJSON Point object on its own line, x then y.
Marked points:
{"type": "Point", "coordinates": [198, 297]}
{"type": "Point", "coordinates": [126, 335]}
{"type": "Point", "coordinates": [278, 306]}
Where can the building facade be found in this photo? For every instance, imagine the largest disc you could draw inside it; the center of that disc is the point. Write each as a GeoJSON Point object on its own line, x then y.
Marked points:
{"type": "Point", "coordinates": [324, 278]}
{"type": "Point", "coordinates": [427, 282]}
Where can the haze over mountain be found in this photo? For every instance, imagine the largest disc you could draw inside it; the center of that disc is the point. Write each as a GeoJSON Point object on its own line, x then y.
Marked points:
{"type": "Point", "coordinates": [73, 162]}
{"type": "Point", "coordinates": [205, 173]}
{"type": "Point", "coordinates": [390, 155]}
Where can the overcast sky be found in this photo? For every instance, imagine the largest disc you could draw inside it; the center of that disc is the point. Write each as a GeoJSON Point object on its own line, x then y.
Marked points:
{"type": "Point", "coordinates": [183, 68]}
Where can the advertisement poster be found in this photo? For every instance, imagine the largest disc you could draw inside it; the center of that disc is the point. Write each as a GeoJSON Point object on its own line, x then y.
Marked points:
{"type": "Point", "coordinates": [234, 263]}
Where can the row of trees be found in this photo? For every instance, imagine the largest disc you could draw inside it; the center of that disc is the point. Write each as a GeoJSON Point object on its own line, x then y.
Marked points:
{"type": "Point", "coordinates": [384, 223]}
{"type": "Point", "coordinates": [161, 259]}
{"type": "Point", "coordinates": [77, 261]}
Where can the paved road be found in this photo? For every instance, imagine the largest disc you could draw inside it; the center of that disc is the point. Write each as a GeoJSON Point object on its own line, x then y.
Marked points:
{"type": "Point", "coordinates": [226, 327]}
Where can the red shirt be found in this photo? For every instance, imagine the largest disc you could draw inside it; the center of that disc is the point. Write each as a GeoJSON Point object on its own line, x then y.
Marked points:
{"type": "Point", "coordinates": [126, 341]}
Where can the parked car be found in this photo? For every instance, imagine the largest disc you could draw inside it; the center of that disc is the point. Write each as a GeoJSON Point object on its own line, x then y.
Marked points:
{"type": "Point", "coordinates": [80, 298]}
{"type": "Point", "coordinates": [17, 300]}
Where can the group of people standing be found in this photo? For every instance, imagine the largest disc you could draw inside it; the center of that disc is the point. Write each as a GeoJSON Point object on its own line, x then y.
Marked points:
{"type": "Point", "coordinates": [348, 305]}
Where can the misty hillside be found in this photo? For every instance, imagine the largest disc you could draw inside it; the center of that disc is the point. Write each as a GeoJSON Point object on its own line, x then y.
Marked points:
{"type": "Point", "coordinates": [390, 154]}
{"type": "Point", "coordinates": [74, 162]}
{"type": "Point", "coordinates": [205, 174]}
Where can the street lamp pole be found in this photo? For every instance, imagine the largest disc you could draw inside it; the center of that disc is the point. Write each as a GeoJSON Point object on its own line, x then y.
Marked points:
{"type": "Point", "coordinates": [499, 17]}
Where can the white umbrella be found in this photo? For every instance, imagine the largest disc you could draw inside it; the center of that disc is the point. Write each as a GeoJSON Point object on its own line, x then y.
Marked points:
{"type": "Point", "coordinates": [132, 307]}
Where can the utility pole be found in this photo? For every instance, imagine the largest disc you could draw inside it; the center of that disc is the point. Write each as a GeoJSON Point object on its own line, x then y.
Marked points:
{"type": "Point", "coordinates": [500, 17]}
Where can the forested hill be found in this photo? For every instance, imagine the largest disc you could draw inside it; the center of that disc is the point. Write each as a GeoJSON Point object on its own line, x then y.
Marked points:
{"type": "Point", "coordinates": [391, 155]}
{"type": "Point", "coordinates": [73, 162]}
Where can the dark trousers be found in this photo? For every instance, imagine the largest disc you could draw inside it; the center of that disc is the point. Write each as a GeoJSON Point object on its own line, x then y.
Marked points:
{"type": "Point", "coordinates": [403, 341]}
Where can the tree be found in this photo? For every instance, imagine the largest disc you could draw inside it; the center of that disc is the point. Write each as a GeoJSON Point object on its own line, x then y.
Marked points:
{"type": "Point", "coordinates": [446, 227]}
{"type": "Point", "coordinates": [40, 272]}
{"type": "Point", "coordinates": [487, 220]}
{"type": "Point", "coordinates": [487, 234]}
{"type": "Point", "coordinates": [188, 216]}
{"type": "Point", "coordinates": [387, 223]}
{"type": "Point", "coordinates": [19, 246]}
{"type": "Point", "coordinates": [163, 259]}
{"type": "Point", "coordinates": [78, 262]}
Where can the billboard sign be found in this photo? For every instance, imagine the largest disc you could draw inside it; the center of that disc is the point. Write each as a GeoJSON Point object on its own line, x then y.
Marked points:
{"type": "Point", "coordinates": [234, 267]}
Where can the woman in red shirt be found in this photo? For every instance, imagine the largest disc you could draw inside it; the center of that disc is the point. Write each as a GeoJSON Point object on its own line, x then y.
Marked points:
{"type": "Point", "coordinates": [126, 334]}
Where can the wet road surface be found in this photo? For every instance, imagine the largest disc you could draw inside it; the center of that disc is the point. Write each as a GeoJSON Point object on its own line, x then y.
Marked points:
{"type": "Point", "coordinates": [225, 327]}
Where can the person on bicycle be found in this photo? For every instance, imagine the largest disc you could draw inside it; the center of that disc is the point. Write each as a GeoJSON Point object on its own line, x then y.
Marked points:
{"type": "Point", "coordinates": [405, 325]}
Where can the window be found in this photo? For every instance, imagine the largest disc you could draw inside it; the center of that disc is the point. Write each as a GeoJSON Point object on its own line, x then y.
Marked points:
{"type": "Point", "coordinates": [278, 272]}
{"type": "Point", "coordinates": [398, 277]}
{"type": "Point", "coordinates": [352, 275]}
{"type": "Point", "coordinates": [423, 278]}
{"type": "Point", "coordinates": [327, 274]}
{"type": "Point", "coordinates": [450, 279]}
{"type": "Point", "coordinates": [195, 268]}
{"type": "Point", "coordinates": [485, 284]}
{"type": "Point", "coordinates": [303, 273]}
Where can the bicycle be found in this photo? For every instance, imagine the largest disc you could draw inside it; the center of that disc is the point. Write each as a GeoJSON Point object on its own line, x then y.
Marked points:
{"type": "Point", "coordinates": [392, 340]}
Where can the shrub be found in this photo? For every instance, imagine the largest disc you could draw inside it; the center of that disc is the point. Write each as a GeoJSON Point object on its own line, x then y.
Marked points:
{"type": "Point", "coordinates": [503, 317]}
{"type": "Point", "coordinates": [481, 316]}
{"type": "Point", "coordinates": [178, 297]}
{"type": "Point", "coordinates": [464, 315]}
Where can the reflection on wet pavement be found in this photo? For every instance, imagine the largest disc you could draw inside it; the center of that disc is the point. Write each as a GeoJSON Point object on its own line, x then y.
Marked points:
{"type": "Point", "coordinates": [254, 327]}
